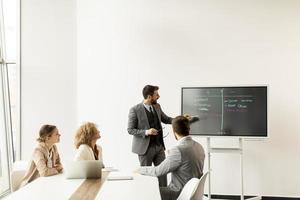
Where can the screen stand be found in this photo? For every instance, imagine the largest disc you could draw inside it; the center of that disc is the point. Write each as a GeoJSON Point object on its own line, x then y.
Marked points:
{"type": "Point", "coordinates": [238, 150]}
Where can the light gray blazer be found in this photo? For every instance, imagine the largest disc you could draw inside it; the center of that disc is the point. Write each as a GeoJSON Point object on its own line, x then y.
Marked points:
{"type": "Point", "coordinates": [138, 124]}
{"type": "Point", "coordinates": [184, 161]}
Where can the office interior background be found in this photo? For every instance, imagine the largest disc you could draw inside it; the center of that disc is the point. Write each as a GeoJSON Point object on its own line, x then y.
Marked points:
{"type": "Point", "coordinates": [79, 61]}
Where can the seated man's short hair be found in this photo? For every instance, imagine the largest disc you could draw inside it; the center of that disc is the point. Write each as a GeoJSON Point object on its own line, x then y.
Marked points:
{"type": "Point", "coordinates": [181, 125]}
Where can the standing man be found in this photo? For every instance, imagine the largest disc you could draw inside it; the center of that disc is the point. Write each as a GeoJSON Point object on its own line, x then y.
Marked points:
{"type": "Point", "coordinates": [184, 161]}
{"type": "Point", "coordinates": [144, 123]}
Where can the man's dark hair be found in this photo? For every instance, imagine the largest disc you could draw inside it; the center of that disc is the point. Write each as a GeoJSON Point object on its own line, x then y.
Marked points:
{"type": "Point", "coordinates": [181, 125]}
{"type": "Point", "coordinates": [149, 90]}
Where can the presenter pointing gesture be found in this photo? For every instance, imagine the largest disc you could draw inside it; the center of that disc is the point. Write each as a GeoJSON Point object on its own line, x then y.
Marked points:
{"type": "Point", "coordinates": [144, 124]}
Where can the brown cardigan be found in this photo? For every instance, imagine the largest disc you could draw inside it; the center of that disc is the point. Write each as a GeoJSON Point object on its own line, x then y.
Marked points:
{"type": "Point", "coordinates": [38, 164]}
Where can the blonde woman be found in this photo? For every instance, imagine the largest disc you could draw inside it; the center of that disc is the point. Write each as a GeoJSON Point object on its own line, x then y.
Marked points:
{"type": "Point", "coordinates": [85, 143]}
{"type": "Point", "coordinates": [45, 159]}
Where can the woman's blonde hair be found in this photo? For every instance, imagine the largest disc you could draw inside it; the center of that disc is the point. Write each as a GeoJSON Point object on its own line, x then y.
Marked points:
{"type": "Point", "coordinates": [45, 131]}
{"type": "Point", "coordinates": [85, 134]}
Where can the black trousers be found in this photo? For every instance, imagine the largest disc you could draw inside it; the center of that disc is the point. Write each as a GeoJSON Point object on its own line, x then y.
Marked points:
{"type": "Point", "coordinates": [168, 194]}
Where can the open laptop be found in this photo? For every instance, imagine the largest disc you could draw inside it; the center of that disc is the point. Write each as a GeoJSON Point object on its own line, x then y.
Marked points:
{"type": "Point", "coordinates": [84, 169]}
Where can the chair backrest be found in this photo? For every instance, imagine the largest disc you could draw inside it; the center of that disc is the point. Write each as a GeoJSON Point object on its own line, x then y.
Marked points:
{"type": "Point", "coordinates": [193, 189]}
{"type": "Point", "coordinates": [198, 195]}
{"type": "Point", "coordinates": [189, 189]}
{"type": "Point", "coordinates": [17, 174]}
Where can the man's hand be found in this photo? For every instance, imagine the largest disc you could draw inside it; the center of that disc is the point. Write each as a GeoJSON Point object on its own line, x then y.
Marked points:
{"type": "Point", "coordinates": [191, 119]}
{"type": "Point", "coordinates": [152, 131]}
{"type": "Point", "coordinates": [187, 116]}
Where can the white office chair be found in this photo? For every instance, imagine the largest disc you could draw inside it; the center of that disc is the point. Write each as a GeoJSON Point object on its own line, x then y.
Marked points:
{"type": "Point", "coordinates": [193, 189]}
{"type": "Point", "coordinates": [17, 173]}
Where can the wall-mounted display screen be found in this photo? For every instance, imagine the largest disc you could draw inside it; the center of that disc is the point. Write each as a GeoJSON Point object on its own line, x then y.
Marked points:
{"type": "Point", "coordinates": [226, 111]}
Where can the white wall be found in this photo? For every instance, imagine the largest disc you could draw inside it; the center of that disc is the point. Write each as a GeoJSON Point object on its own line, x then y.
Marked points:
{"type": "Point", "coordinates": [123, 45]}
{"type": "Point", "coordinates": [48, 65]}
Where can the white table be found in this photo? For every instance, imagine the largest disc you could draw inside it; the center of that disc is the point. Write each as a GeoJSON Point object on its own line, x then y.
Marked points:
{"type": "Point", "coordinates": [52, 187]}
{"type": "Point", "coordinates": [140, 188]}
{"type": "Point", "coordinates": [58, 187]}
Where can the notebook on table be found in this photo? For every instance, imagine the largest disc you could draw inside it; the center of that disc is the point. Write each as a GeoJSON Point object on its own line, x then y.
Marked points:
{"type": "Point", "coordinates": [117, 176]}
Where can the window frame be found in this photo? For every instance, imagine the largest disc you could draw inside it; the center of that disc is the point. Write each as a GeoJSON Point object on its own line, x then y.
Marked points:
{"type": "Point", "coordinates": [5, 65]}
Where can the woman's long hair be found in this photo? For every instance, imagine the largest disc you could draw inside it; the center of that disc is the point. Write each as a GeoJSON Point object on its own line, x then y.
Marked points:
{"type": "Point", "coordinates": [85, 134]}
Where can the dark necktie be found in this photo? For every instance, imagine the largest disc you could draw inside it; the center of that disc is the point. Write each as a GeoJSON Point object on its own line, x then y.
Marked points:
{"type": "Point", "coordinates": [151, 111]}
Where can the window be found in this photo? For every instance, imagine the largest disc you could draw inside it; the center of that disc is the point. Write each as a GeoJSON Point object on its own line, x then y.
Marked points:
{"type": "Point", "coordinates": [6, 152]}
{"type": "Point", "coordinates": [10, 31]}
{"type": "Point", "coordinates": [9, 91]}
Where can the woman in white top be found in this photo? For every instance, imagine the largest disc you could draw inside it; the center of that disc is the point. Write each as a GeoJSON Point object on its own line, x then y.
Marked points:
{"type": "Point", "coordinates": [85, 142]}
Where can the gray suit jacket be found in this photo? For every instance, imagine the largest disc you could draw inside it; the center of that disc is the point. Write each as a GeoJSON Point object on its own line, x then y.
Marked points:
{"type": "Point", "coordinates": [184, 161]}
{"type": "Point", "coordinates": [138, 124]}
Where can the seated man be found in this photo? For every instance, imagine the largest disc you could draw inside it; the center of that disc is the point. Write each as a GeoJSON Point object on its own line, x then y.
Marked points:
{"type": "Point", "coordinates": [184, 161]}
